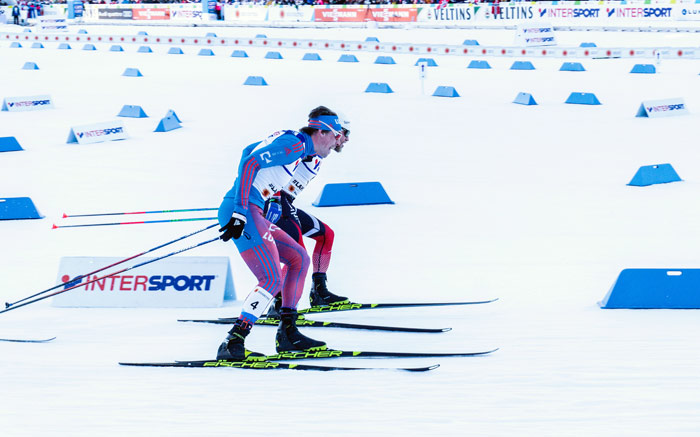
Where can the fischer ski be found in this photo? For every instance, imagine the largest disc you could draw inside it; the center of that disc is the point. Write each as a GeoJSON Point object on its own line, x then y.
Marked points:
{"type": "Point", "coordinates": [16, 340]}
{"type": "Point", "coordinates": [271, 365]}
{"type": "Point", "coordinates": [349, 306]}
{"type": "Point", "coordinates": [302, 322]}
{"type": "Point", "coordinates": [332, 353]}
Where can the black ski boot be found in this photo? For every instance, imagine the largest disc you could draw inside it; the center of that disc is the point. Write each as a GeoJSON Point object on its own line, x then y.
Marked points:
{"type": "Point", "coordinates": [274, 311]}
{"type": "Point", "coordinates": [320, 295]}
{"type": "Point", "coordinates": [290, 339]}
{"type": "Point", "coordinates": [233, 348]}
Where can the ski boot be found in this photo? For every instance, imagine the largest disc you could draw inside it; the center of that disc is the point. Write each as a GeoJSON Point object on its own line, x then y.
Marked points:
{"type": "Point", "coordinates": [289, 339]}
{"type": "Point", "coordinates": [274, 311]}
{"type": "Point", "coordinates": [320, 296]}
{"type": "Point", "coordinates": [233, 348]}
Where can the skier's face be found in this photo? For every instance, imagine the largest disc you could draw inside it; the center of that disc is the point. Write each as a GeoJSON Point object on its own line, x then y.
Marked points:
{"type": "Point", "coordinates": [324, 141]}
{"type": "Point", "coordinates": [340, 142]}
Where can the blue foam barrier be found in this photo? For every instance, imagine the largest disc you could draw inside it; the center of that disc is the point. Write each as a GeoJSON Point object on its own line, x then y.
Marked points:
{"type": "Point", "coordinates": [384, 60]}
{"type": "Point", "coordinates": [132, 72]}
{"type": "Point", "coordinates": [273, 55]}
{"type": "Point", "coordinates": [255, 80]}
{"type": "Point", "coordinates": [172, 114]}
{"type": "Point", "coordinates": [144, 49]}
{"type": "Point", "coordinates": [30, 66]}
{"type": "Point", "coordinates": [372, 38]}
{"type": "Point", "coordinates": [132, 111]}
{"type": "Point", "coordinates": [654, 289]}
{"type": "Point", "coordinates": [311, 57]}
{"type": "Point", "coordinates": [525, 99]}
{"type": "Point", "coordinates": [654, 174]}
{"type": "Point", "coordinates": [116, 48]}
{"type": "Point", "coordinates": [9, 144]}
{"type": "Point", "coordinates": [64, 46]}
{"type": "Point", "coordinates": [260, 35]}
{"type": "Point", "coordinates": [588, 44]}
{"type": "Point", "coordinates": [348, 58]}
{"type": "Point", "coordinates": [167, 124]}
{"type": "Point", "coordinates": [522, 65]}
{"type": "Point", "coordinates": [470, 42]}
{"type": "Point", "coordinates": [643, 69]}
{"type": "Point", "coordinates": [37, 45]}
{"type": "Point", "coordinates": [206, 52]}
{"type": "Point", "coordinates": [18, 208]}
{"type": "Point", "coordinates": [210, 35]}
{"type": "Point", "coordinates": [15, 45]}
{"type": "Point", "coordinates": [359, 193]}
{"type": "Point", "coordinates": [239, 54]}
{"type": "Point", "coordinates": [142, 32]}
{"type": "Point", "coordinates": [89, 47]}
{"type": "Point", "coordinates": [583, 99]}
{"type": "Point", "coordinates": [378, 87]}
{"type": "Point", "coordinates": [482, 65]}
{"type": "Point", "coordinates": [572, 66]}
{"type": "Point", "coordinates": [175, 51]}
{"type": "Point", "coordinates": [445, 91]}
{"type": "Point", "coordinates": [429, 61]}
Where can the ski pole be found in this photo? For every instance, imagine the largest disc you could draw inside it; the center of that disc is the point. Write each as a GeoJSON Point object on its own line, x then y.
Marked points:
{"type": "Point", "coordinates": [133, 223]}
{"type": "Point", "coordinates": [139, 212]}
{"type": "Point", "coordinates": [107, 276]}
{"type": "Point", "coordinates": [9, 304]}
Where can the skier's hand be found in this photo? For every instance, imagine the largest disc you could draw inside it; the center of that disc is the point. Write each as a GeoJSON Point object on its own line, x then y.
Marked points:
{"type": "Point", "coordinates": [234, 227]}
{"type": "Point", "coordinates": [289, 211]}
{"type": "Point", "coordinates": [273, 210]}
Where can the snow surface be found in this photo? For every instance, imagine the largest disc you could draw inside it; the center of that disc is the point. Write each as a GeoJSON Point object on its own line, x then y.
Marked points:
{"type": "Point", "coordinates": [493, 199]}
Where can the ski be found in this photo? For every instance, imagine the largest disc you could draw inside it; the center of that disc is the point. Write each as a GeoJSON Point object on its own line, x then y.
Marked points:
{"type": "Point", "coordinates": [302, 322]}
{"type": "Point", "coordinates": [332, 353]}
{"type": "Point", "coordinates": [349, 306]}
{"type": "Point", "coordinates": [18, 340]}
{"type": "Point", "coordinates": [271, 365]}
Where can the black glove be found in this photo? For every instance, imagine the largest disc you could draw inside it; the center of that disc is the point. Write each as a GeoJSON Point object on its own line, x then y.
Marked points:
{"type": "Point", "coordinates": [234, 227]}
{"type": "Point", "coordinates": [289, 211]}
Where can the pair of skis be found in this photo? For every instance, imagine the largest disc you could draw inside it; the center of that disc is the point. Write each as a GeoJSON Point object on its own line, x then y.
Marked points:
{"type": "Point", "coordinates": [272, 362]}
{"type": "Point", "coordinates": [303, 322]}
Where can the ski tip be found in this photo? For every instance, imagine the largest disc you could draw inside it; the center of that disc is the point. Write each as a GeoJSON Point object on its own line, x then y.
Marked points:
{"type": "Point", "coordinates": [65, 215]}
{"type": "Point", "coordinates": [422, 369]}
{"type": "Point", "coordinates": [446, 329]}
{"type": "Point", "coordinates": [54, 226]}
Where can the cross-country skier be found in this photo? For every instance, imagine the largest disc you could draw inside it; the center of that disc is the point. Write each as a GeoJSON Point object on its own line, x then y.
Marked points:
{"type": "Point", "coordinates": [298, 223]}
{"type": "Point", "coordinates": [265, 168]}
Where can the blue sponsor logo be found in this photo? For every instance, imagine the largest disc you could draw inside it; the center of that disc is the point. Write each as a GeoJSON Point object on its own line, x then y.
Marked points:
{"type": "Point", "coordinates": [100, 132]}
{"type": "Point", "coordinates": [543, 12]}
{"type": "Point", "coordinates": [30, 103]}
{"type": "Point", "coordinates": [611, 12]}
{"type": "Point", "coordinates": [181, 283]}
{"type": "Point", "coordinates": [657, 12]}
{"type": "Point", "coordinates": [666, 108]}
{"type": "Point", "coordinates": [586, 12]}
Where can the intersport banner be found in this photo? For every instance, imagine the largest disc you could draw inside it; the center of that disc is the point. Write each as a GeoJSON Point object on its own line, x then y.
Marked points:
{"type": "Point", "coordinates": [556, 12]}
